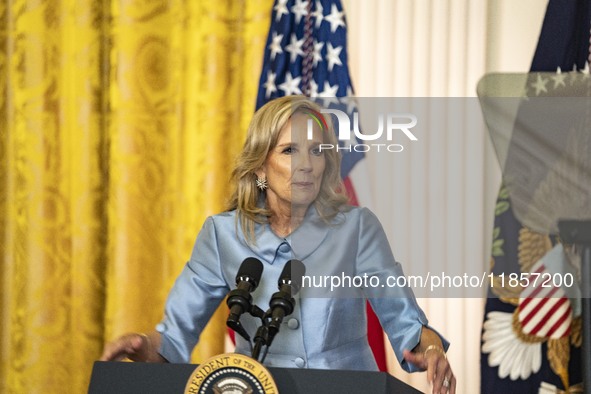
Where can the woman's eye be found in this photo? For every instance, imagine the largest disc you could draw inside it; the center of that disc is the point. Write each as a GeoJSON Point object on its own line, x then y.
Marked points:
{"type": "Point", "coordinates": [316, 151]}
{"type": "Point", "coordinates": [288, 150]}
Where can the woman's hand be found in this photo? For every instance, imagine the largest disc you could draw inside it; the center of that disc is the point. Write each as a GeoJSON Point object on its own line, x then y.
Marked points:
{"type": "Point", "coordinates": [136, 347]}
{"type": "Point", "coordinates": [439, 373]}
{"type": "Point", "coordinates": [429, 355]}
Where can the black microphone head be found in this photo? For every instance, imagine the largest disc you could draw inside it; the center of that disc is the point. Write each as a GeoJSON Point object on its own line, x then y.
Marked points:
{"type": "Point", "coordinates": [250, 271]}
{"type": "Point", "coordinates": [292, 274]}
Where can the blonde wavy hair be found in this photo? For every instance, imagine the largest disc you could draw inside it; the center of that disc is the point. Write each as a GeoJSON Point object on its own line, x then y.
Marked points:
{"type": "Point", "coordinates": [263, 134]}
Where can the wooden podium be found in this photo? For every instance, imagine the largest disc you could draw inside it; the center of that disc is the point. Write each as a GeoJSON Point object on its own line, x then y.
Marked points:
{"type": "Point", "coordinates": [133, 378]}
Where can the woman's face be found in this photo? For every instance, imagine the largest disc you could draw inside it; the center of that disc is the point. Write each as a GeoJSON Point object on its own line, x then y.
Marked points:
{"type": "Point", "coordinates": [295, 166]}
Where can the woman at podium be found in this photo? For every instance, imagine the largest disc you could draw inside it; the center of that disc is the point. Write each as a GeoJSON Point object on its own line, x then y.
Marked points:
{"type": "Point", "coordinates": [288, 204]}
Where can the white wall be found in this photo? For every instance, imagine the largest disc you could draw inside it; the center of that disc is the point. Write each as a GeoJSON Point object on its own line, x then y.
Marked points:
{"type": "Point", "coordinates": [513, 29]}
{"type": "Point", "coordinates": [437, 48]}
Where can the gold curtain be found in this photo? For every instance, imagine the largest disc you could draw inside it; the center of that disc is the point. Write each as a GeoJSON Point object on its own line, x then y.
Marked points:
{"type": "Point", "coordinates": [119, 121]}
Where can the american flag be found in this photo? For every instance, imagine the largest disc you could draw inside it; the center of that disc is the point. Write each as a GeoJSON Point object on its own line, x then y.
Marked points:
{"type": "Point", "coordinates": [306, 53]}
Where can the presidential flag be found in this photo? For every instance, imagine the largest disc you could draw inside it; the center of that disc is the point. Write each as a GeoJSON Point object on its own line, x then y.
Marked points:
{"type": "Point", "coordinates": [531, 340]}
{"type": "Point", "coordinates": [306, 53]}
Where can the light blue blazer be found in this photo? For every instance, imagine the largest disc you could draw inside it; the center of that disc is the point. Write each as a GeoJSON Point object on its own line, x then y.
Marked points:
{"type": "Point", "coordinates": [328, 328]}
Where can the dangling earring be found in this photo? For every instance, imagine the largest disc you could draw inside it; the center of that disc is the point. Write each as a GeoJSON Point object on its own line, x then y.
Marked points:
{"type": "Point", "coordinates": [262, 183]}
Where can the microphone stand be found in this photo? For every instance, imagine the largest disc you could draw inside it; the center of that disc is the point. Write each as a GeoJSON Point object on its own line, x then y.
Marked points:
{"type": "Point", "coordinates": [265, 334]}
{"type": "Point", "coordinates": [261, 339]}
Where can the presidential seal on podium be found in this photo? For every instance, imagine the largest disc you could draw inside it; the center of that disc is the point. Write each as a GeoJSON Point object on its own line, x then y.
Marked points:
{"type": "Point", "coordinates": [231, 373]}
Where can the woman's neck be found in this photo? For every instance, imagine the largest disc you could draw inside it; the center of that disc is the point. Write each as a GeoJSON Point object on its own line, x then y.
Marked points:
{"type": "Point", "coordinates": [285, 221]}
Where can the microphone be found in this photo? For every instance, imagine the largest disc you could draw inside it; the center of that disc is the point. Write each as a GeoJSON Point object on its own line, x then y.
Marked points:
{"type": "Point", "coordinates": [239, 300]}
{"type": "Point", "coordinates": [282, 302]}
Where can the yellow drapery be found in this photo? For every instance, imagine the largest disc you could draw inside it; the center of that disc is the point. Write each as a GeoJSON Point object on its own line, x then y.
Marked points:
{"type": "Point", "coordinates": [119, 122]}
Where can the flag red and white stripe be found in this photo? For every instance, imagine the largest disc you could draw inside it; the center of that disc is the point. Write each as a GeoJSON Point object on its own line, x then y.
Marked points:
{"type": "Point", "coordinates": [544, 309]}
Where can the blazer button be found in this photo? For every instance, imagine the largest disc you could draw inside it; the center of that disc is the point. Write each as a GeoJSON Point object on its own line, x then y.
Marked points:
{"type": "Point", "coordinates": [300, 362]}
{"type": "Point", "coordinates": [293, 323]}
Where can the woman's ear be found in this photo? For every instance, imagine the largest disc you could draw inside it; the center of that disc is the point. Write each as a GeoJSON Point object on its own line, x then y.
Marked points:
{"type": "Point", "coordinates": [260, 173]}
